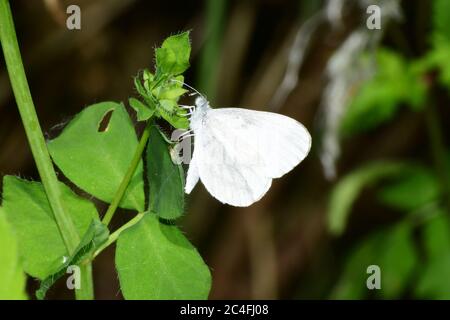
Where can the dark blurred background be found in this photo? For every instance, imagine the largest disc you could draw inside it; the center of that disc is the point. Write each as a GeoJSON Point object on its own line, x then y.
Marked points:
{"type": "Point", "coordinates": [280, 247]}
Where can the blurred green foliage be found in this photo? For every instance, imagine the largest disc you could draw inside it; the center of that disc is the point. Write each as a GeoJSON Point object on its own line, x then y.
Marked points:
{"type": "Point", "coordinates": [412, 190]}
{"type": "Point", "coordinates": [441, 15]}
{"type": "Point", "coordinates": [434, 282]}
{"type": "Point", "coordinates": [348, 189]}
{"type": "Point", "coordinates": [392, 250]}
{"type": "Point", "coordinates": [395, 84]}
{"type": "Point", "coordinates": [414, 253]}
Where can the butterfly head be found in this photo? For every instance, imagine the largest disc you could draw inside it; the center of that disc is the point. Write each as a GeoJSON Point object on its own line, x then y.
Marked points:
{"type": "Point", "coordinates": [201, 102]}
{"type": "Point", "coordinates": [201, 107]}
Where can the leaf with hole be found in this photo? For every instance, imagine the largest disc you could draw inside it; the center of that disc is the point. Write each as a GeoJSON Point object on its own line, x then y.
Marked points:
{"type": "Point", "coordinates": [96, 161]}
{"type": "Point", "coordinates": [143, 112]}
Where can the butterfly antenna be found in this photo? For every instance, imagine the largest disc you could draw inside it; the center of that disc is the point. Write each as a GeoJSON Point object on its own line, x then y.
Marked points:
{"type": "Point", "coordinates": [188, 86]}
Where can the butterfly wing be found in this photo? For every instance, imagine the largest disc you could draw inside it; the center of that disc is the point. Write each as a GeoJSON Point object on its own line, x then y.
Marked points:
{"type": "Point", "coordinates": [237, 152]}
{"type": "Point", "coordinates": [192, 175]}
{"type": "Point", "coordinates": [282, 142]}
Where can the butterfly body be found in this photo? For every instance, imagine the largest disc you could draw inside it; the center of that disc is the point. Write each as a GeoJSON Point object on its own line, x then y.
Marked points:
{"type": "Point", "coordinates": [237, 152]}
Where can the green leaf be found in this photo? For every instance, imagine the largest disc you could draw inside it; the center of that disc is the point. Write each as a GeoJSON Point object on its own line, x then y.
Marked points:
{"type": "Point", "coordinates": [397, 260]}
{"type": "Point", "coordinates": [441, 17]}
{"type": "Point", "coordinates": [412, 190]}
{"type": "Point", "coordinates": [436, 60]}
{"type": "Point", "coordinates": [96, 161]}
{"type": "Point", "coordinates": [166, 179]}
{"type": "Point", "coordinates": [173, 56]}
{"type": "Point", "coordinates": [171, 89]}
{"type": "Point", "coordinates": [28, 210]}
{"type": "Point", "coordinates": [148, 78]}
{"type": "Point", "coordinates": [434, 280]}
{"type": "Point", "coordinates": [168, 111]}
{"type": "Point", "coordinates": [392, 251]}
{"type": "Point", "coordinates": [172, 93]}
{"type": "Point", "coordinates": [95, 236]}
{"type": "Point", "coordinates": [352, 282]}
{"type": "Point", "coordinates": [140, 88]}
{"type": "Point", "coordinates": [440, 55]}
{"type": "Point", "coordinates": [169, 106]}
{"type": "Point", "coordinates": [143, 112]}
{"type": "Point", "coordinates": [348, 188]}
{"type": "Point", "coordinates": [155, 261]}
{"type": "Point", "coordinates": [379, 99]}
{"type": "Point", "coordinates": [436, 235]}
{"type": "Point", "coordinates": [144, 89]}
{"type": "Point", "coordinates": [12, 277]}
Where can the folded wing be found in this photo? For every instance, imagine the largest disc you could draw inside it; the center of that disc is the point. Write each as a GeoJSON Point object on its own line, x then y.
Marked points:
{"type": "Point", "coordinates": [238, 152]}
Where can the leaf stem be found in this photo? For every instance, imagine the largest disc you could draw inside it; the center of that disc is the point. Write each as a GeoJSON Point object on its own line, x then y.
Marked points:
{"type": "Point", "coordinates": [129, 174]}
{"type": "Point", "coordinates": [86, 291]}
{"type": "Point", "coordinates": [113, 237]}
{"type": "Point", "coordinates": [36, 140]}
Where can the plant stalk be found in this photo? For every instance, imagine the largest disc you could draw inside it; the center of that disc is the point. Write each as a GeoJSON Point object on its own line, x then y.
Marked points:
{"type": "Point", "coordinates": [113, 237]}
{"type": "Point", "coordinates": [129, 174]}
{"type": "Point", "coordinates": [36, 140]}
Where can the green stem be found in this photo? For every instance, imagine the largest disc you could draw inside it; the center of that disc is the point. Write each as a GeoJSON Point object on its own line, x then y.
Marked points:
{"type": "Point", "coordinates": [86, 291]}
{"type": "Point", "coordinates": [36, 139]}
{"type": "Point", "coordinates": [31, 123]}
{"type": "Point", "coordinates": [438, 150]}
{"type": "Point", "coordinates": [113, 237]}
{"type": "Point", "coordinates": [129, 174]}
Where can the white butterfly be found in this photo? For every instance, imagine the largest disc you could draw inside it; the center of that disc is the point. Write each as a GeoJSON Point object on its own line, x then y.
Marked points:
{"type": "Point", "coordinates": [237, 152]}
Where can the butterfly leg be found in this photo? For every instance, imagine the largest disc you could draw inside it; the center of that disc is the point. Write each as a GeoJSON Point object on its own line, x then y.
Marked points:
{"type": "Point", "coordinates": [184, 135]}
{"type": "Point", "coordinates": [190, 108]}
{"type": "Point", "coordinates": [181, 138]}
